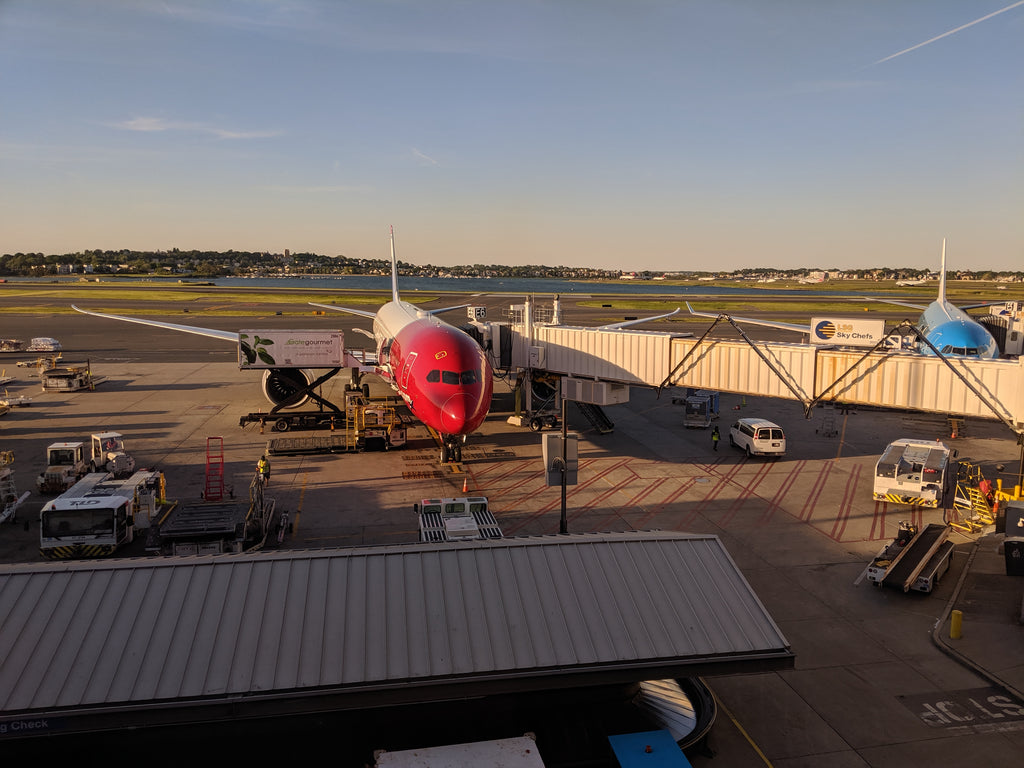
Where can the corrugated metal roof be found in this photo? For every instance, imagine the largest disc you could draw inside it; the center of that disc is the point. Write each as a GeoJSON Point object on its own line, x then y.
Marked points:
{"type": "Point", "coordinates": [189, 630]}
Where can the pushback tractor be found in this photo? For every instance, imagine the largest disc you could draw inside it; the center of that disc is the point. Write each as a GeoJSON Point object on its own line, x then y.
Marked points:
{"type": "Point", "coordinates": [913, 471]}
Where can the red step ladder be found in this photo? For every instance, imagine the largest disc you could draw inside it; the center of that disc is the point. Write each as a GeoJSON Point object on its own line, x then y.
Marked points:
{"type": "Point", "coordinates": [214, 469]}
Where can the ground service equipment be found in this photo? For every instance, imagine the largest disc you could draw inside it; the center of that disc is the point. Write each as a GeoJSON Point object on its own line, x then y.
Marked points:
{"type": "Point", "coordinates": [364, 426]}
{"type": "Point", "coordinates": [109, 455]}
{"type": "Point", "coordinates": [65, 464]}
{"type": "Point", "coordinates": [9, 498]}
{"type": "Point", "coordinates": [99, 514]}
{"type": "Point", "coordinates": [913, 471]}
{"type": "Point", "coordinates": [456, 519]}
{"type": "Point", "coordinates": [213, 528]}
{"type": "Point", "coordinates": [701, 406]}
{"type": "Point", "coordinates": [915, 559]}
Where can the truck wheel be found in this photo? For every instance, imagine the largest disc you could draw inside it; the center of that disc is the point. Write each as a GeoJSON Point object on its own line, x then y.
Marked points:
{"type": "Point", "coordinates": [536, 425]}
{"type": "Point", "coordinates": [748, 451]}
{"type": "Point", "coordinates": [552, 422]}
{"type": "Point", "coordinates": [281, 425]}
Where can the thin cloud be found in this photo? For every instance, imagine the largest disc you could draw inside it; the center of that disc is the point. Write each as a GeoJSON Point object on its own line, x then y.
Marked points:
{"type": "Point", "coordinates": [952, 31]}
{"type": "Point", "coordinates": [313, 189]}
{"type": "Point", "coordinates": [160, 125]}
{"type": "Point", "coordinates": [431, 161]}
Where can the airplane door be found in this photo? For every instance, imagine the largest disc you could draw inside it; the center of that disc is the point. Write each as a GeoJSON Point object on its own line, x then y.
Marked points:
{"type": "Point", "coordinates": [408, 367]}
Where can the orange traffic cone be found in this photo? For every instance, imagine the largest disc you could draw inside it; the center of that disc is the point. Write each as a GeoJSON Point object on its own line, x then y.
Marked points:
{"type": "Point", "coordinates": [465, 485]}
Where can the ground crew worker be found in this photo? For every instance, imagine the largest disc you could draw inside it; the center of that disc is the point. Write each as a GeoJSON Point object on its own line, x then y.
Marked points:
{"type": "Point", "coordinates": [714, 437]}
{"type": "Point", "coordinates": [263, 467]}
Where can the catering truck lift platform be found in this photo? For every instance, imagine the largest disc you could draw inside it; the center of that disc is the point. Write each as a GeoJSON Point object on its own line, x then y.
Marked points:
{"type": "Point", "coordinates": [915, 559]}
{"type": "Point", "coordinates": [365, 426]}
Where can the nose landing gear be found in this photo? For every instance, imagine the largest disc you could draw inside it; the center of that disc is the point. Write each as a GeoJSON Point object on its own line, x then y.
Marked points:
{"type": "Point", "coordinates": [451, 449]}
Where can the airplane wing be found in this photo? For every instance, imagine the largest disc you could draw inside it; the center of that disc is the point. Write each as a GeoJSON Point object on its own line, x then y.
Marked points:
{"type": "Point", "coordinates": [213, 333]}
{"type": "Point", "coordinates": [364, 313]}
{"type": "Point", "coordinates": [900, 303]}
{"type": "Point", "coordinates": [447, 309]}
{"type": "Point", "coordinates": [628, 323]}
{"type": "Point", "coordinates": [979, 306]}
{"type": "Point", "coordinates": [360, 312]}
{"type": "Point", "coordinates": [753, 321]}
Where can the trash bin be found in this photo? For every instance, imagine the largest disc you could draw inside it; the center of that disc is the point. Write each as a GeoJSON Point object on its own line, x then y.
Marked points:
{"type": "Point", "coordinates": [1013, 551]}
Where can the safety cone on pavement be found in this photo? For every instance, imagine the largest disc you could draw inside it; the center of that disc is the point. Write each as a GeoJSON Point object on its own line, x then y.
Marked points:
{"type": "Point", "coordinates": [465, 485]}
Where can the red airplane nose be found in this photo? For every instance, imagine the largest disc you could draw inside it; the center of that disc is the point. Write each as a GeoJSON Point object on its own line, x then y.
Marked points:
{"type": "Point", "coordinates": [453, 414]}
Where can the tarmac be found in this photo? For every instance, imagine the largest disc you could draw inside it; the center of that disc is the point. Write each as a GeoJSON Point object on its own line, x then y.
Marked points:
{"type": "Point", "coordinates": [878, 680]}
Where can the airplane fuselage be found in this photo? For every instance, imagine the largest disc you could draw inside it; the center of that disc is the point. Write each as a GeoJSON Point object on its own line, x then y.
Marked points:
{"type": "Point", "coordinates": [954, 332]}
{"type": "Point", "coordinates": [440, 372]}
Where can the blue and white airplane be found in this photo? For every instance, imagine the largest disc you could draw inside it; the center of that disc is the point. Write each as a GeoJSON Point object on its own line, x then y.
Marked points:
{"type": "Point", "coordinates": [949, 328]}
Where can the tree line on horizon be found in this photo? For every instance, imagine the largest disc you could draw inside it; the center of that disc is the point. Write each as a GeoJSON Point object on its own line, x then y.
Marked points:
{"type": "Point", "coordinates": [235, 263]}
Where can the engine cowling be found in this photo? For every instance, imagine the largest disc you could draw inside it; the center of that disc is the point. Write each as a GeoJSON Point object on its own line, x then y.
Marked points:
{"type": "Point", "coordinates": [282, 386]}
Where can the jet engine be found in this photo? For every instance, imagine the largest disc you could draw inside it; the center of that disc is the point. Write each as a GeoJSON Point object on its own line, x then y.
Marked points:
{"type": "Point", "coordinates": [283, 386]}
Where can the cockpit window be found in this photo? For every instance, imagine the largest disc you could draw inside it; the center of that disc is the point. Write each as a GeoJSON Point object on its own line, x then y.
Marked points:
{"type": "Point", "coordinates": [453, 377]}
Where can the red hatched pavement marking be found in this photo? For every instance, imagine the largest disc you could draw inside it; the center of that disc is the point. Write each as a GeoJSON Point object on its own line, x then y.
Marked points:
{"type": "Point", "coordinates": [749, 490]}
{"type": "Point", "coordinates": [572, 491]}
{"type": "Point", "coordinates": [807, 511]}
{"type": "Point", "coordinates": [846, 505]}
{"type": "Point", "coordinates": [776, 502]}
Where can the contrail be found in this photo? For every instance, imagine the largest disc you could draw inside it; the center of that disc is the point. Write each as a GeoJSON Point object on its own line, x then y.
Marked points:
{"type": "Point", "coordinates": [953, 31]}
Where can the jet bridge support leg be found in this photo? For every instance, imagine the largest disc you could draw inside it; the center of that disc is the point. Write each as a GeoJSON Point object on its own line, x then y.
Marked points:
{"type": "Point", "coordinates": [800, 396]}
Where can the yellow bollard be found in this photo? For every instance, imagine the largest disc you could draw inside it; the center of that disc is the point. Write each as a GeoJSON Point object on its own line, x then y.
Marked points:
{"type": "Point", "coordinates": [956, 621]}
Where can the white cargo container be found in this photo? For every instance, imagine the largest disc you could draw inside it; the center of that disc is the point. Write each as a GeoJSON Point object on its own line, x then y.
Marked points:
{"type": "Point", "coordinates": [290, 349]}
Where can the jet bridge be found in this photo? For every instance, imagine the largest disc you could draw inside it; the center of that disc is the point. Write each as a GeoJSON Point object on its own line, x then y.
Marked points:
{"type": "Point", "coordinates": [596, 363]}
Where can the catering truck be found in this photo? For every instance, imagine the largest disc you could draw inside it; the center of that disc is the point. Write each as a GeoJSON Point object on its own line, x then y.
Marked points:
{"type": "Point", "coordinates": [99, 514]}
{"type": "Point", "coordinates": [912, 471]}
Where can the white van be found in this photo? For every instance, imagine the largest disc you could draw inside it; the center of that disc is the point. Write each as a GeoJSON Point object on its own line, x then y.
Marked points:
{"type": "Point", "coordinates": [758, 437]}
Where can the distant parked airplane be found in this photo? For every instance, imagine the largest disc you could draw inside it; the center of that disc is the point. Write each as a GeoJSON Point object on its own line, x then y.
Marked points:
{"type": "Point", "coordinates": [949, 328]}
{"type": "Point", "coordinates": [905, 283]}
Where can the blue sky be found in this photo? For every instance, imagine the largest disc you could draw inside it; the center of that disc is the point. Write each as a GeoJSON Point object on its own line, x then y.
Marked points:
{"type": "Point", "coordinates": [645, 134]}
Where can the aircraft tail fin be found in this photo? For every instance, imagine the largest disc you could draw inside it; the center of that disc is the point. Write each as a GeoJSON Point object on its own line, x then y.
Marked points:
{"type": "Point", "coordinates": [942, 273]}
{"type": "Point", "coordinates": [394, 268]}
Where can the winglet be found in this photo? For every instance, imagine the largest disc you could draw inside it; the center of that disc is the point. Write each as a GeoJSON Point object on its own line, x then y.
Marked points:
{"type": "Point", "coordinates": [394, 268]}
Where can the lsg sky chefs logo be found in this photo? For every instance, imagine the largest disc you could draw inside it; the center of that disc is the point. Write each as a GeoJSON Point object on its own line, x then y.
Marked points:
{"type": "Point", "coordinates": [826, 330]}
{"type": "Point", "coordinates": [847, 331]}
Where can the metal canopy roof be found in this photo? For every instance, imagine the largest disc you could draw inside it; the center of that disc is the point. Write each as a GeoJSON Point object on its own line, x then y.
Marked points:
{"type": "Point", "coordinates": [118, 642]}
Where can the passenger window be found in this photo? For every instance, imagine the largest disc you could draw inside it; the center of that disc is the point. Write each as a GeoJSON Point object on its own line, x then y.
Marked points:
{"type": "Point", "coordinates": [434, 376]}
{"type": "Point", "coordinates": [947, 349]}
